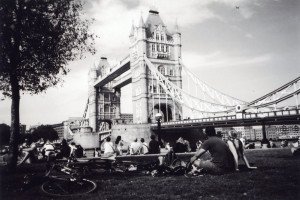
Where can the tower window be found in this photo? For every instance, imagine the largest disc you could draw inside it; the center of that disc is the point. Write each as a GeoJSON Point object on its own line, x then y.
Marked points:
{"type": "Point", "coordinates": [106, 108]}
{"type": "Point", "coordinates": [161, 69]}
{"type": "Point", "coordinates": [162, 37]}
{"type": "Point", "coordinates": [154, 89]}
{"type": "Point", "coordinates": [157, 47]}
{"type": "Point", "coordinates": [157, 36]}
{"type": "Point", "coordinates": [106, 97]}
{"type": "Point", "coordinates": [171, 72]}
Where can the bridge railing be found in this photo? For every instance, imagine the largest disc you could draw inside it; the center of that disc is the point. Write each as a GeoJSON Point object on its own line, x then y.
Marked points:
{"type": "Point", "coordinates": [210, 119]}
{"type": "Point", "coordinates": [283, 113]}
{"type": "Point", "coordinates": [271, 114]}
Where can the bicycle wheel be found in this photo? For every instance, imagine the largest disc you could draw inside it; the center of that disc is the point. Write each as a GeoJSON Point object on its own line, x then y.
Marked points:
{"type": "Point", "coordinates": [21, 158]}
{"type": "Point", "coordinates": [62, 187]}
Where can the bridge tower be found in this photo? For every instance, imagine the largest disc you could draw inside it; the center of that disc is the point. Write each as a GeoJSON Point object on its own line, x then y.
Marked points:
{"type": "Point", "coordinates": [163, 48]}
{"type": "Point", "coordinates": [104, 102]}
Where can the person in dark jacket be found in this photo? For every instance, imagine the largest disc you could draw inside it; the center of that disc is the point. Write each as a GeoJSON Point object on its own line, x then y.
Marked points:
{"type": "Point", "coordinates": [153, 146]}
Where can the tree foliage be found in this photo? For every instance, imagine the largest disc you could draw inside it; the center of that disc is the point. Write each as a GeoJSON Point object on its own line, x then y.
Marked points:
{"type": "Point", "coordinates": [4, 134]}
{"type": "Point", "coordinates": [46, 132]}
{"type": "Point", "coordinates": [37, 40]}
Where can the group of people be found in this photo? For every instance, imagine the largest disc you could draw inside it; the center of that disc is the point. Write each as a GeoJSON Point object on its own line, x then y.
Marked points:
{"type": "Point", "coordinates": [224, 156]}
{"type": "Point", "coordinates": [135, 148]}
{"type": "Point", "coordinates": [49, 150]}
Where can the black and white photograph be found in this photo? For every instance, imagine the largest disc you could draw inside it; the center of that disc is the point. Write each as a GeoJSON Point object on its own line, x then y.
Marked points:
{"type": "Point", "coordinates": [150, 99]}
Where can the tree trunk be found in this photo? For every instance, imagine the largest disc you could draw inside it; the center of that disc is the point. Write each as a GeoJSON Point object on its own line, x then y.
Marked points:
{"type": "Point", "coordinates": [15, 123]}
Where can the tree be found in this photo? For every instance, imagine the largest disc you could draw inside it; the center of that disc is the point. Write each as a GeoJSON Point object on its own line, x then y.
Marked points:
{"type": "Point", "coordinates": [37, 40]}
{"type": "Point", "coordinates": [46, 132]}
{"type": "Point", "coordinates": [4, 134]}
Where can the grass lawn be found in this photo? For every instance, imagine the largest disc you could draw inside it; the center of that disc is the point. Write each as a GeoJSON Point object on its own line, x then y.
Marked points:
{"type": "Point", "coordinates": [277, 177]}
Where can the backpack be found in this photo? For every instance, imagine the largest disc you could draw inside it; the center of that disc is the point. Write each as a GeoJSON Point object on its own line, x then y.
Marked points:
{"type": "Point", "coordinates": [169, 158]}
{"type": "Point", "coordinates": [178, 167]}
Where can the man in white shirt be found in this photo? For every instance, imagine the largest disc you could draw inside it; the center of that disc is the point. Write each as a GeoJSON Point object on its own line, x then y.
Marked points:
{"type": "Point", "coordinates": [144, 148]}
{"type": "Point", "coordinates": [135, 147]}
{"type": "Point", "coordinates": [108, 147]}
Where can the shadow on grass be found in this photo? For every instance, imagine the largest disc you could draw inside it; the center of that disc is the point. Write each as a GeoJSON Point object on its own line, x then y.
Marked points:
{"type": "Point", "coordinates": [277, 177]}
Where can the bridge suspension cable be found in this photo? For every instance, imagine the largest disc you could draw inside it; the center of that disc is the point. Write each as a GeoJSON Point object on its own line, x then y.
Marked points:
{"type": "Point", "coordinates": [86, 109]}
{"type": "Point", "coordinates": [289, 90]}
{"type": "Point", "coordinates": [215, 95]}
{"type": "Point", "coordinates": [184, 98]}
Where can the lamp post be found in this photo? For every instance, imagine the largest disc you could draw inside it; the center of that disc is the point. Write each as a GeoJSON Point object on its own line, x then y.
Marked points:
{"type": "Point", "coordinates": [158, 118]}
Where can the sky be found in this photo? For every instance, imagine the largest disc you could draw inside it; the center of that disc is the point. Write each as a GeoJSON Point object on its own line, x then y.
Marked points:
{"type": "Point", "coordinates": [244, 48]}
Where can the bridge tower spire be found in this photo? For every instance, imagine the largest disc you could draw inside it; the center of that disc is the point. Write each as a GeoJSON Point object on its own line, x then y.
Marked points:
{"type": "Point", "coordinates": [151, 39]}
{"type": "Point", "coordinates": [139, 74]}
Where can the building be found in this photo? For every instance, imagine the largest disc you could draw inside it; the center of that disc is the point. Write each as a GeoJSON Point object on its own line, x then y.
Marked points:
{"type": "Point", "coordinates": [283, 131]}
{"type": "Point", "coordinates": [70, 126]}
{"type": "Point", "coordinates": [257, 131]}
{"type": "Point", "coordinates": [162, 47]}
{"type": "Point", "coordinates": [150, 40]}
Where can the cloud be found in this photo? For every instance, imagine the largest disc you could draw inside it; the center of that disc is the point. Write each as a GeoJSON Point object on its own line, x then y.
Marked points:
{"type": "Point", "coordinates": [249, 35]}
{"type": "Point", "coordinates": [218, 59]}
{"type": "Point", "coordinates": [113, 19]}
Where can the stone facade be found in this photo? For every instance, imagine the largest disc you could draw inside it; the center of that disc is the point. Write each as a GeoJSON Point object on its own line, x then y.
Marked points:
{"type": "Point", "coordinates": [163, 49]}
{"type": "Point", "coordinates": [104, 102]}
{"type": "Point", "coordinates": [129, 132]}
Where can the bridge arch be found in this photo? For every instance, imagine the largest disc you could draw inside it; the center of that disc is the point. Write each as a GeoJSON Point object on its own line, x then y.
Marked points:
{"type": "Point", "coordinates": [166, 110]}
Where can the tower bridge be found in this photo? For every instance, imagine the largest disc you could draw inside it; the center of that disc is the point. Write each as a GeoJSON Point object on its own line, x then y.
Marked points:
{"type": "Point", "coordinates": [155, 69]}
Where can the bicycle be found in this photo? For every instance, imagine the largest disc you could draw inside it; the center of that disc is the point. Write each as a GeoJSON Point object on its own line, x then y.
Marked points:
{"type": "Point", "coordinates": [69, 181]}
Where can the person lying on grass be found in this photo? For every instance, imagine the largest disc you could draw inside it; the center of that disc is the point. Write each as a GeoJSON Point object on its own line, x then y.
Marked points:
{"type": "Point", "coordinates": [221, 161]}
{"type": "Point", "coordinates": [237, 149]}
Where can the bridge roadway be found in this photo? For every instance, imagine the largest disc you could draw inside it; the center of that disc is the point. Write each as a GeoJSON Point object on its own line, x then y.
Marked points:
{"type": "Point", "coordinates": [121, 68]}
{"type": "Point", "coordinates": [246, 119]}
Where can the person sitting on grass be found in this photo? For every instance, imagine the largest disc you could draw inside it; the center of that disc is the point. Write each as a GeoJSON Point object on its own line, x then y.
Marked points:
{"type": "Point", "coordinates": [237, 149]}
{"type": "Point", "coordinates": [72, 149]}
{"type": "Point", "coordinates": [64, 149]}
{"type": "Point", "coordinates": [108, 147]}
{"type": "Point", "coordinates": [296, 148]}
{"type": "Point", "coordinates": [30, 151]}
{"type": "Point", "coordinates": [221, 161]}
{"type": "Point", "coordinates": [135, 147]}
{"type": "Point", "coordinates": [145, 148]}
{"type": "Point", "coordinates": [153, 145]}
{"type": "Point", "coordinates": [180, 146]}
{"type": "Point", "coordinates": [49, 150]}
